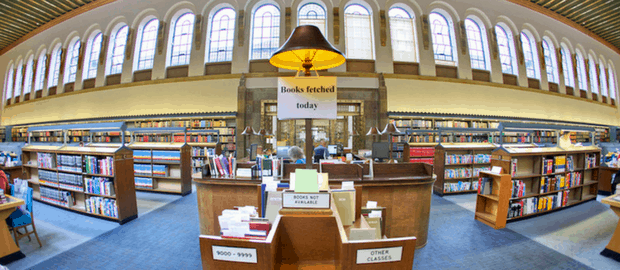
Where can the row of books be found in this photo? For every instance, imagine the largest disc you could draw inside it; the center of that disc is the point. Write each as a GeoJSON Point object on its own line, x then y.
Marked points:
{"type": "Point", "coordinates": [202, 151]}
{"type": "Point", "coordinates": [47, 177]}
{"type": "Point", "coordinates": [460, 186]}
{"type": "Point", "coordinates": [221, 165]}
{"type": "Point", "coordinates": [72, 163]}
{"type": "Point", "coordinates": [101, 206]}
{"type": "Point", "coordinates": [590, 161]}
{"type": "Point", "coordinates": [534, 205]}
{"type": "Point", "coordinates": [142, 155]}
{"type": "Point", "coordinates": [197, 162]}
{"type": "Point", "coordinates": [98, 165]}
{"type": "Point", "coordinates": [485, 185]}
{"type": "Point", "coordinates": [160, 170]}
{"type": "Point", "coordinates": [99, 185]}
{"type": "Point", "coordinates": [518, 189]}
{"type": "Point", "coordinates": [198, 138]}
{"type": "Point", "coordinates": [457, 173]}
{"type": "Point", "coordinates": [168, 156]}
{"type": "Point", "coordinates": [464, 159]}
{"type": "Point", "coordinates": [451, 123]}
{"type": "Point", "coordinates": [70, 181]}
{"type": "Point", "coordinates": [142, 169]}
{"type": "Point", "coordinates": [479, 169]}
{"type": "Point", "coordinates": [46, 160]}
{"type": "Point", "coordinates": [573, 179]}
{"type": "Point", "coordinates": [143, 182]}
{"type": "Point", "coordinates": [422, 160]}
{"type": "Point", "coordinates": [56, 196]}
{"type": "Point", "coordinates": [556, 164]}
{"type": "Point", "coordinates": [414, 123]}
{"type": "Point", "coordinates": [423, 138]}
{"type": "Point", "coordinates": [422, 151]}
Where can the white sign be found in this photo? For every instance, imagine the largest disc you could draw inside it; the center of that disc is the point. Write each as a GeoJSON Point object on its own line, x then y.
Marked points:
{"type": "Point", "coordinates": [234, 254]}
{"type": "Point", "coordinates": [379, 255]}
{"type": "Point", "coordinates": [307, 97]}
{"type": "Point", "coordinates": [305, 200]}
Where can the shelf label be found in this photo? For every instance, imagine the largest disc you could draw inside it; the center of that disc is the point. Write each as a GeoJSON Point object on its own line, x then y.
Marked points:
{"type": "Point", "coordinates": [305, 200]}
{"type": "Point", "coordinates": [234, 254]}
{"type": "Point", "coordinates": [379, 255]}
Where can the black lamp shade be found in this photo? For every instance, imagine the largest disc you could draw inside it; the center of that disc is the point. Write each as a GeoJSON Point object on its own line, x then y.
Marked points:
{"type": "Point", "coordinates": [373, 132]}
{"type": "Point", "coordinates": [307, 45]}
{"type": "Point", "coordinates": [390, 128]}
{"type": "Point", "coordinates": [248, 131]}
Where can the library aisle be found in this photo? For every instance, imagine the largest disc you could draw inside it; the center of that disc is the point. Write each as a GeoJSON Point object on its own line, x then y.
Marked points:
{"type": "Point", "coordinates": [61, 230]}
{"type": "Point", "coordinates": [165, 238]}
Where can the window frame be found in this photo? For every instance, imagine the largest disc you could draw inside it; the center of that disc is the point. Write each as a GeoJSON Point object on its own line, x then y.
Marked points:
{"type": "Point", "coordinates": [567, 66]}
{"type": "Point", "coordinates": [510, 45]}
{"type": "Point", "coordinates": [39, 78]}
{"type": "Point", "coordinates": [550, 61]}
{"type": "Point", "coordinates": [594, 86]}
{"type": "Point", "coordinates": [8, 83]}
{"type": "Point", "coordinates": [90, 57]}
{"type": "Point", "coordinates": [19, 79]}
{"type": "Point", "coordinates": [482, 43]}
{"type": "Point", "coordinates": [116, 51]}
{"type": "Point", "coordinates": [582, 76]}
{"type": "Point", "coordinates": [188, 45]}
{"type": "Point", "coordinates": [308, 4]}
{"type": "Point", "coordinates": [533, 54]}
{"type": "Point", "coordinates": [270, 49]}
{"type": "Point", "coordinates": [142, 63]}
{"type": "Point", "coordinates": [228, 41]}
{"type": "Point", "coordinates": [28, 75]}
{"type": "Point", "coordinates": [451, 40]}
{"type": "Point", "coordinates": [54, 72]}
{"type": "Point", "coordinates": [413, 55]}
{"type": "Point", "coordinates": [73, 54]}
{"type": "Point", "coordinates": [612, 82]}
{"type": "Point", "coordinates": [602, 78]}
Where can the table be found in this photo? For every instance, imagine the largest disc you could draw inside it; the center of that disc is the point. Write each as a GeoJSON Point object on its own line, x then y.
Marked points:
{"type": "Point", "coordinates": [612, 250]}
{"type": "Point", "coordinates": [7, 244]}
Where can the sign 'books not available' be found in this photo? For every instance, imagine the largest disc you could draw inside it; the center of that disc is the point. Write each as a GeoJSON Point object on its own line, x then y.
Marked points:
{"type": "Point", "coordinates": [307, 97]}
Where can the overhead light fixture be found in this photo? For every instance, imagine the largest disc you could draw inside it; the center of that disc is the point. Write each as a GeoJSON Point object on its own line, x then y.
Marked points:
{"type": "Point", "coordinates": [248, 131]}
{"type": "Point", "coordinates": [390, 128]}
{"type": "Point", "coordinates": [374, 131]}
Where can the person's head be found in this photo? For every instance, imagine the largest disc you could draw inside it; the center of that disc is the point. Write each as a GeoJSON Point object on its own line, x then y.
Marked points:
{"type": "Point", "coordinates": [322, 142]}
{"type": "Point", "coordinates": [295, 153]}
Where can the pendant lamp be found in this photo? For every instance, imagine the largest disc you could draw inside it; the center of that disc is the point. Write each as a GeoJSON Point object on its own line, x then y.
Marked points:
{"type": "Point", "coordinates": [390, 128]}
{"type": "Point", "coordinates": [308, 49]}
{"type": "Point", "coordinates": [373, 132]}
{"type": "Point", "coordinates": [263, 132]}
{"type": "Point", "coordinates": [248, 131]}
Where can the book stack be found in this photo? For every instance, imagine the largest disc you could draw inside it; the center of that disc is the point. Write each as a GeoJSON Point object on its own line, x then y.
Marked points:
{"type": "Point", "coordinates": [55, 196]}
{"type": "Point", "coordinates": [457, 173]}
{"type": "Point", "coordinates": [459, 159]}
{"type": "Point", "coordinates": [142, 155]}
{"type": "Point", "coordinates": [99, 185]}
{"type": "Point", "coordinates": [70, 181]}
{"type": "Point", "coordinates": [203, 151]}
{"type": "Point", "coordinates": [167, 156]}
{"type": "Point", "coordinates": [518, 189]}
{"type": "Point", "coordinates": [523, 207]}
{"type": "Point", "coordinates": [573, 179]}
{"type": "Point", "coordinates": [48, 178]}
{"type": "Point", "coordinates": [46, 160]}
{"type": "Point", "coordinates": [70, 163]}
{"type": "Point", "coordinates": [223, 166]}
{"type": "Point", "coordinates": [570, 164]}
{"type": "Point", "coordinates": [97, 165]}
{"type": "Point", "coordinates": [513, 167]}
{"type": "Point", "coordinates": [482, 158]}
{"type": "Point", "coordinates": [143, 182]}
{"type": "Point", "coordinates": [101, 206]}
{"type": "Point", "coordinates": [243, 223]}
{"type": "Point", "coordinates": [547, 166]}
{"type": "Point", "coordinates": [480, 169]}
{"type": "Point", "coordinates": [590, 161]}
{"type": "Point", "coordinates": [560, 163]}
{"type": "Point", "coordinates": [422, 151]}
{"type": "Point", "coordinates": [454, 187]}
{"type": "Point", "coordinates": [160, 170]}
{"type": "Point", "coordinates": [142, 169]}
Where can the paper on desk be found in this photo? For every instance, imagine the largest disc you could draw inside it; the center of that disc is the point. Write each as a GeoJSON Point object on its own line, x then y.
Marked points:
{"type": "Point", "coordinates": [347, 185]}
{"type": "Point", "coordinates": [306, 180]}
{"type": "Point", "coordinates": [371, 204]}
{"type": "Point", "coordinates": [267, 179]}
{"type": "Point", "coordinates": [496, 169]}
{"type": "Point", "coordinates": [374, 214]}
{"type": "Point", "coordinates": [323, 181]}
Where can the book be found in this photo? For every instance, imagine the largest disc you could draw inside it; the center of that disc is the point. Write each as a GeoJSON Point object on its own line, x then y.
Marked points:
{"type": "Point", "coordinates": [345, 203]}
{"type": "Point", "coordinates": [274, 204]}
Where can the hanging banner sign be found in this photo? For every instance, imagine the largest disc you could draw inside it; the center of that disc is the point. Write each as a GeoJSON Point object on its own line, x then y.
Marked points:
{"type": "Point", "coordinates": [307, 97]}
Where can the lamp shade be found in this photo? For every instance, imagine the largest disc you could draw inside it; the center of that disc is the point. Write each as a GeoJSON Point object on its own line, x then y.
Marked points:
{"type": "Point", "coordinates": [353, 132]}
{"type": "Point", "coordinates": [390, 128]}
{"type": "Point", "coordinates": [263, 132]}
{"type": "Point", "coordinates": [248, 131]}
{"type": "Point", "coordinates": [307, 48]}
{"type": "Point", "coordinates": [373, 131]}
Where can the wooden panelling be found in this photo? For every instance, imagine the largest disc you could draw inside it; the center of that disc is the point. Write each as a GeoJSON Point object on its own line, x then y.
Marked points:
{"type": "Point", "coordinates": [594, 96]}
{"type": "Point", "coordinates": [570, 91]}
{"type": "Point", "coordinates": [177, 72]}
{"type": "Point", "coordinates": [52, 91]}
{"type": "Point", "coordinates": [481, 75]}
{"type": "Point", "coordinates": [27, 97]}
{"type": "Point", "coordinates": [261, 66]}
{"type": "Point", "coordinates": [533, 83]}
{"type": "Point", "coordinates": [603, 97]}
{"type": "Point", "coordinates": [218, 68]}
{"type": "Point", "coordinates": [510, 79]}
{"type": "Point", "coordinates": [553, 87]}
{"type": "Point", "coordinates": [142, 75]}
{"type": "Point", "coordinates": [113, 79]}
{"type": "Point", "coordinates": [446, 71]}
{"type": "Point", "coordinates": [88, 83]}
{"type": "Point", "coordinates": [407, 68]}
{"type": "Point", "coordinates": [69, 87]}
{"type": "Point", "coordinates": [583, 94]}
{"type": "Point", "coordinates": [358, 65]}
{"type": "Point", "coordinates": [17, 99]}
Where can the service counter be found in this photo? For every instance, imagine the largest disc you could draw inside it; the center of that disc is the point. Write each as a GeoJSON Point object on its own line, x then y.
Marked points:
{"type": "Point", "coordinates": [404, 189]}
{"type": "Point", "coordinates": [604, 180]}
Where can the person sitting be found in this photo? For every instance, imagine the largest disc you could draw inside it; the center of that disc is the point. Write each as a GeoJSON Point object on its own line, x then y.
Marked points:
{"type": "Point", "coordinates": [320, 152]}
{"type": "Point", "coordinates": [297, 155]}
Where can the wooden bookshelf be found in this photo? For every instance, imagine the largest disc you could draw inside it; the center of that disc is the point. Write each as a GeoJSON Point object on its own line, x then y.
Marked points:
{"type": "Point", "coordinates": [122, 166]}
{"type": "Point", "coordinates": [442, 163]}
{"type": "Point", "coordinates": [492, 208]}
{"type": "Point", "coordinates": [199, 152]}
{"type": "Point", "coordinates": [541, 189]}
{"type": "Point", "coordinates": [179, 177]}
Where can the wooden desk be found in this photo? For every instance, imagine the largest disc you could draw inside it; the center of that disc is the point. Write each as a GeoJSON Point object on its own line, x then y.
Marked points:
{"type": "Point", "coordinates": [604, 180]}
{"type": "Point", "coordinates": [7, 244]}
{"type": "Point", "coordinates": [15, 172]}
{"type": "Point", "coordinates": [612, 250]}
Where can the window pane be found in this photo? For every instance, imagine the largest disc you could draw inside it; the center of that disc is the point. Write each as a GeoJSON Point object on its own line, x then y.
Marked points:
{"type": "Point", "coordinates": [54, 67]}
{"type": "Point", "coordinates": [475, 44]}
{"type": "Point", "coordinates": [528, 54]}
{"type": "Point", "coordinates": [265, 32]}
{"type": "Point", "coordinates": [567, 67]}
{"type": "Point", "coordinates": [72, 61]}
{"type": "Point", "coordinates": [548, 52]}
{"type": "Point", "coordinates": [93, 57]}
{"type": "Point", "coordinates": [28, 76]}
{"type": "Point", "coordinates": [148, 42]}
{"type": "Point", "coordinates": [612, 84]}
{"type": "Point", "coordinates": [182, 40]}
{"type": "Point", "coordinates": [505, 46]}
{"type": "Point", "coordinates": [602, 79]}
{"type": "Point", "coordinates": [221, 38]}
{"type": "Point", "coordinates": [442, 40]}
{"type": "Point", "coordinates": [9, 84]}
{"type": "Point", "coordinates": [358, 33]}
{"type": "Point", "coordinates": [119, 40]}
{"type": "Point", "coordinates": [38, 84]}
{"type": "Point", "coordinates": [312, 14]}
{"type": "Point", "coordinates": [18, 80]}
{"type": "Point", "coordinates": [581, 72]}
{"type": "Point", "coordinates": [403, 38]}
{"type": "Point", "coordinates": [593, 77]}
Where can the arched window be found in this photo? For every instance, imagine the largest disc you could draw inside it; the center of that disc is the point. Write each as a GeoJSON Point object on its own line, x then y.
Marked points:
{"type": "Point", "coordinates": [612, 83]}
{"type": "Point", "coordinates": [265, 32]}
{"type": "Point", "coordinates": [312, 14]}
{"type": "Point", "coordinates": [116, 53]}
{"type": "Point", "coordinates": [19, 76]}
{"type": "Point", "coordinates": [40, 76]}
{"type": "Point", "coordinates": [148, 42]}
{"type": "Point", "coordinates": [506, 48]}
{"type": "Point", "coordinates": [602, 78]}
{"type": "Point", "coordinates": [91, 61]}
{"type": "Point", "coordinates": [593, 77]}
{"type": "Point", "coordinates": [54, 67]}
{"type": "Point", "coordinates": [529, 53]}
{"type": "Point", "coordinates": [402, 31]}
{"type": "Point", "coordinates": [567, 67]}
{"type": "Point", "coordinates": [72, 61]}
{"type": "Point", "coordinates": [581, 71]}
{"type": "Point", "coordinates": [222, 36]}
{"type": "Point", "coordinates": [476, 44]}
{"type": "Point", "coordinates": [28, 75]}
{"type": "Point", "coordinates": [8, 86]}
{"type": "Point", "coordinates": [550, 61]}
{"type": "Point", "coordinates": [182, 40]}
{"type": "Point", "coordinates": [442, 33]}
{"type": "Point", "coordinates": [358, 32]}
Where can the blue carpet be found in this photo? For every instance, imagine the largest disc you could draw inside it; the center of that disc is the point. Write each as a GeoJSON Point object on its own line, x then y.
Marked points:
{"type": "Point", "coordinates": [167, 238]}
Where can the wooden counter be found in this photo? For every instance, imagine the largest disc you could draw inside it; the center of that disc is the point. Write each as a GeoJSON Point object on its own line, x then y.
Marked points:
{"type": "Point", "coordinates": [612, 250]}
{"type": "Point", "coordinates": [405, 189]}
{"type": "Point", "coordinates": [604, 180]}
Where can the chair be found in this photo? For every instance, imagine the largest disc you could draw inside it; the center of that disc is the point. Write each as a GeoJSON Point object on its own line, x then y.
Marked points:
{"type": "Point", "coordinates": [18, 220]}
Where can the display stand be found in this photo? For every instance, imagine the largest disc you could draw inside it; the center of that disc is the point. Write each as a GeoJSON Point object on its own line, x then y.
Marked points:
{"type": "Point", "coordinates": [444, 151]}
{"type": "Point", "coordinates": [492, 208]}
